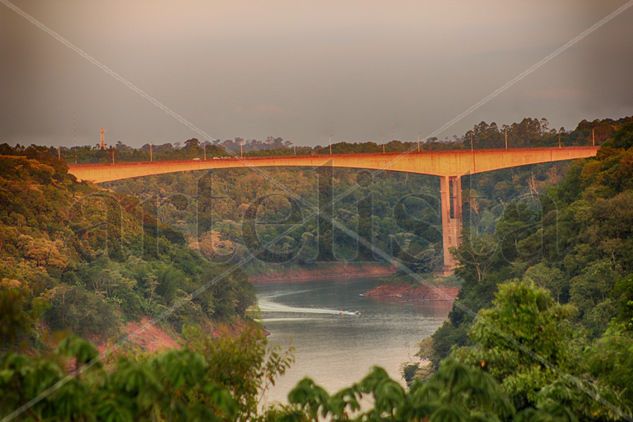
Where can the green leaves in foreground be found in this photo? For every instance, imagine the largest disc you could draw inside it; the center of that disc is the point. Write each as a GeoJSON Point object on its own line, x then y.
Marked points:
{"type": "Point", "coordinates": [455, 392]}
{"type": "Point", "coordinates": [173, 385]}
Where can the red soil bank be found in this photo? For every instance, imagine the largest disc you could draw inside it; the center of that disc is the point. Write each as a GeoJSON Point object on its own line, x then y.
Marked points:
{"type": "Point", "coordinates": [334, 272]}
{"type": "Point", "coordinates": [408, 293]}
{"type": "Point", "coordinates": [148, 336]}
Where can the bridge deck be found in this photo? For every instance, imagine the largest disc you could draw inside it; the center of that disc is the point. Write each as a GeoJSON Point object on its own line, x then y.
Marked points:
{"type": "Point", "coordinates": [436, 163]}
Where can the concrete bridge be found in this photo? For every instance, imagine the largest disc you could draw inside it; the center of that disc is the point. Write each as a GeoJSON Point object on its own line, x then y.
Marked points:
{"type": "Point", "coordinates": [449, 165]}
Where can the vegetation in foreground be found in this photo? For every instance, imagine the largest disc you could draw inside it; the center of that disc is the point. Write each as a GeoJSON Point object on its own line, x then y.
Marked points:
{"type": "Point", "coordinates": [526, 362]}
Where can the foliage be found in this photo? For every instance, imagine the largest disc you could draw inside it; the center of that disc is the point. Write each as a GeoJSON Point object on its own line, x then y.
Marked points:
{"type": "Point", "coordinates": [529, 132]}
{"type": "Point", "coordinates": [168, 385]}
{"type": "Point", "coordinates": [245, 365]}
{"type": "Point", "coordinates": [542, 329]}
{"type": "Point", "coordinates": [454, 392]}
{"type": "Point", "coordinates": [523, 365]}
{"type": "Point", "coordinates": [19, 314]}
{"type": "Point", "coordinates": [87, 260]}
{"type": "Point", "coordinates": [522, 340]}
{"type": "Point", "coordinates": [210, 379]}
{"type": "Point", "coordinates": [575, 240]}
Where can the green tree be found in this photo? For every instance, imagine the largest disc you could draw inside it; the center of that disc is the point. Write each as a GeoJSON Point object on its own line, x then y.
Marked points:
{"type": "Point", "coordinates": [523, 340]}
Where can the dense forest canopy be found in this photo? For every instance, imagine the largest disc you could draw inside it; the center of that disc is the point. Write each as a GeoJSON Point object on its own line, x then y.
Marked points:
{"type": "Point", "coordinates": [87, 260]}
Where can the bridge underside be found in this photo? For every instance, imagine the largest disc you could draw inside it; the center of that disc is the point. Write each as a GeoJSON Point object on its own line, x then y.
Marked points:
{"type": "Point", "coordinates": [448, 165]}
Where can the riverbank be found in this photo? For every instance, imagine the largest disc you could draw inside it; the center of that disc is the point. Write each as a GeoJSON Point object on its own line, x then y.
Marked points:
{"type": "Point", "coordinates": [149, 336]}
{"type": "Point", "coordinates": [332, 272]}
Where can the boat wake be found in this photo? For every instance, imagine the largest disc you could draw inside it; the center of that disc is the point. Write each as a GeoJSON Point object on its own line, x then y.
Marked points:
{"type": "Point", "coordinates": [266, 305]}
{"type": "Point", "coordinates": [289, 319]}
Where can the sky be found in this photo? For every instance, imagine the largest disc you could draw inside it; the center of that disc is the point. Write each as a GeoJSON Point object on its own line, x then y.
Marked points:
{"type": "Point", "coordinates": [353, 70]}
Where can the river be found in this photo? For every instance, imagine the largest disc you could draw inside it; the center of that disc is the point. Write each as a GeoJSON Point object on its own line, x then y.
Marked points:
{"type": "Point", "coordinates": [338, 335]}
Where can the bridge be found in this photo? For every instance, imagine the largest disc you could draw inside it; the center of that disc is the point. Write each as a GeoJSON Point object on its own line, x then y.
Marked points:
{"type": "Point", "coordinates": [448, 165]}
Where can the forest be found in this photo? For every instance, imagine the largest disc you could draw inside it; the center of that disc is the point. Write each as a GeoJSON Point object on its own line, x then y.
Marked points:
{"type": "Point", "coordinates": [529, 132]}
{"type": "Point", "coordinates": [87, 260]}
{"type": "Point", "coordinates": [404, 221]}
{"type": "Point", "coordinates": [541, 330]}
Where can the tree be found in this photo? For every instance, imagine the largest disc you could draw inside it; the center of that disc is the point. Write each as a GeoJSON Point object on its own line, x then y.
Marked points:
{"type": "Point", "coordinates": [18, 314]}
{"type": "Point", "coordinates": [455, 392]}
{"type": "Point", "coordinates": [192, 144]}
{"type": "Point", "coordinates": [80, 311]}
{"type": "Point", "coordinates": [523, 340]}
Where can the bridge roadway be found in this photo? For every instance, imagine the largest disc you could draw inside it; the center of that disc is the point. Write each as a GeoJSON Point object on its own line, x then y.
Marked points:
{"type": "Point", "coordinates": [449, 165]}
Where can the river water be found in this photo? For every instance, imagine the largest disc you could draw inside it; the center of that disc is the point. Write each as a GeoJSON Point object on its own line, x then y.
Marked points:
{"type": "Point", "coordinates": [338, 335]}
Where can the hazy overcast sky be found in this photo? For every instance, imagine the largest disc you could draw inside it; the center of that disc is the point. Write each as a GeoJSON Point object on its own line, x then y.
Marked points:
{"type": "Point", "coordinates": [305, 70]}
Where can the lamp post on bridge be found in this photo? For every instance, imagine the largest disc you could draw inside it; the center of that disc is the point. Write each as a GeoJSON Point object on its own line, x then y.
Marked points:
{"type": "Point", "coordinates": [472, 148]}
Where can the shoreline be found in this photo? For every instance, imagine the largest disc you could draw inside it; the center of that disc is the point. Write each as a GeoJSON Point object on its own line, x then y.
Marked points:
{"type": "Point", "coordinates": [336, 272]}
{"type": "Point", "coordinates": [387, 292]}
{"type": "Point", "coordinates": [407, 293]}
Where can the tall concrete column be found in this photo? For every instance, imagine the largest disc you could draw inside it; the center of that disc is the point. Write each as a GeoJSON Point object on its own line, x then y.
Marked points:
{"type": "Point", "coordinates": [456, 186]}
{"type": "Point", "coordinates": [451, 201]}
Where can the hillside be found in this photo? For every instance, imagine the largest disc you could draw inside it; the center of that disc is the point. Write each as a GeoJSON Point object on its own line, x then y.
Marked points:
{"type": "Point", "coordinates": [555, 278]}
{"type": "Point", "coordinates": [212, 209]}
{"type": "Point", "coordinates": [574, 239]}
{"type": "Point", "coordinates": [84, 259]}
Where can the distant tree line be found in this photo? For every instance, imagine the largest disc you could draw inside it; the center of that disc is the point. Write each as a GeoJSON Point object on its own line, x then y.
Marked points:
{"type": "Point", "coordinates": [529, 132]}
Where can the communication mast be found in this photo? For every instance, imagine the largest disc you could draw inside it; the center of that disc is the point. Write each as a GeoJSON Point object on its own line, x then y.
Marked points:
{"type": "Point", "coordinates": [102, 144]}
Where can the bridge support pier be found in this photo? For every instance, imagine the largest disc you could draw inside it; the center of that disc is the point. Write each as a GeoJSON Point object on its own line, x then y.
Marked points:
{"type": "Point", "coordinates": [451, 200]}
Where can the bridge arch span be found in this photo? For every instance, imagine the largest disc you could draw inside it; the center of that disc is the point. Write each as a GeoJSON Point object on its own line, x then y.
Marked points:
{"type": "Point", "coordinates": [449, 165]}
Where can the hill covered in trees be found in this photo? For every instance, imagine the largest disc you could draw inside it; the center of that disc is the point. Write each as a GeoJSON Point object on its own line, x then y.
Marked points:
{"type": "Point", "coordinates": [87, 260]}
{"type": "Point", "coordinates": [557, 272]}
{"type": "Point", "coordinates": [574, 240]}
